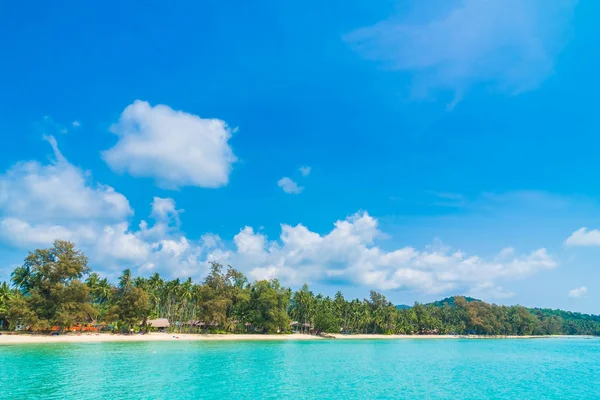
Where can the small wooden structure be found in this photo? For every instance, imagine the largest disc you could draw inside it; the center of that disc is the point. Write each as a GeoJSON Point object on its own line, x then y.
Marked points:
{"type": "Point", "coordinates": [193, 322]}
{"type": "Point", "coordinates": [159, 323]}
{"type": "Point", "coordinates": [194, 325]}
{"type": "Point", "coordinates": [299, 327]}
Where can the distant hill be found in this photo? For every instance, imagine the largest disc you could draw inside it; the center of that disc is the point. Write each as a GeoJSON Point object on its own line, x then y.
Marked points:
{"type": "Point", "coordinates": [510, 320]}
{"type": "Point", "coordinates": [450, 301]}
{"type": "Point", "coordinates": [439, 303]}
{"type": "Point", "coordinates": [574, 323]}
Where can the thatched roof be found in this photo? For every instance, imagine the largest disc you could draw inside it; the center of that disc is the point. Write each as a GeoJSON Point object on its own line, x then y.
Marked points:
{"type": "Point", "coordinates": [194, 322]}
{"type": "Point", "coordinates": [159, 323]}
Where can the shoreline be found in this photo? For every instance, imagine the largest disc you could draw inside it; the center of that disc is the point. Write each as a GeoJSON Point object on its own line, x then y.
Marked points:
{"type": "Point", "coordinates": [163, 337]}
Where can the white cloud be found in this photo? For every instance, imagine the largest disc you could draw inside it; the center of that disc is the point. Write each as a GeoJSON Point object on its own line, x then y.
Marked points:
{"type": "Point", "coordinates": [112, 247]}
{"type": "Point", "coordinates": [579, 292]}
{"type": "Point", "coordinates": [117, 242]}
{"type": "Point", "coordinates": [76, 124]}
{"type": "Point", "coordinates": [23, 234]}
{"type": "Point", "coordinates": [173, 147]}
{"type": "Point", "coordinates": [41, 203]}
{"type": "Point", "coordinates": [164, 209]}
{"type": "Point", "coordinates": [305, 170]}
{"type": "Point", "coordinates": [348, 253]}
{"type": "Point", "coordinates": [289, 186]}
{"type": "Point", "coordinates": [210, 240]}
{"type": "Point", "coordinates": [52, 192]}
{"type": "Point", "coordinates": [249, 242]}
{"type": "Point", "coordinates": [583, 237]}
{"type": "Point", "coordinates": [511, 45]}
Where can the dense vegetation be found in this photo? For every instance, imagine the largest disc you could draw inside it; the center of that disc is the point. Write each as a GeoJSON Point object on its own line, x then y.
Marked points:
{"type": "Point", "coordinates": [55, 289]}
{"type": "Point", "coordinates": [451, 301]}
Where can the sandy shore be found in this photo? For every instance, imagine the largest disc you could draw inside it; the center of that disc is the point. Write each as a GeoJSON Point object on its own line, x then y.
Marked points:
{"type": "Point", "coordinates": [159, 337]}
{"type": "Point", "coordinates": [151, 337]}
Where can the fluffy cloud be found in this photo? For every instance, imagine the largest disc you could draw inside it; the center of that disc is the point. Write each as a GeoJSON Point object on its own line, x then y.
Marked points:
{"type": "Point", "coordinates": [583, 237]}
{"type": "Point", "coordinates": [348, 253]}
{"type": "Point", "coordinates": [42, 203]}
{"type": "Point", "coordinates": [173, 147]}
{"type": "Point", "coordinates": [30, 190]}
{"type": "Point", "coordinates": [23, 234]}
{"type": "Point", "coordinates": [509, 44]}
{"type": "Point", "coordinates": [163, 209]}
{"type": "Point", "coordinates": [155, 247]}
{"type": "Point", "coordinates": [289, 186]}
{"type": "Point", "coordinates": [579, 292]}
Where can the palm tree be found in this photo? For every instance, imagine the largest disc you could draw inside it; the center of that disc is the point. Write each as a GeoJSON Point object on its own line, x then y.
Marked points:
{"type": "Point", "coordinates": [303, 306]}
{"type": "Point", "coordinates": [21, 278]}
{"type": "Point", "coordinates": [185, 291]}
{"type": "Point", "coordinates": [104, 291]}
{"type": "Point", "coordinates": [5, 295]}
{"type": "Point", "coordinates": [92, 281]}
{"type": "Point", "coordinates": [100, 289]}
{"type": "Point", "coordinates": [154, 288]}
{"type": "Point", "coordinates": [125, 279]}
{"type": "Point", "coordinates": [5, 292]}
{"type": "Point", "coordinates": [155, 282]}
{"type": "Point", "coordinates": [141, 282]}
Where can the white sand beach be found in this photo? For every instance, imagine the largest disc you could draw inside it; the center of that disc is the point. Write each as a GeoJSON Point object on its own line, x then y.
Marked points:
{"type": "Point", "coordinates": [150, 337]}
{"type": "Point", "coordinates": [160, 337]}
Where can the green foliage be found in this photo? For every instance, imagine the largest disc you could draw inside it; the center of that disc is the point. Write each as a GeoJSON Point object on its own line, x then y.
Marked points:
{"type": "Point", "coordinates": [325, 316]}
{"type": "Point", "coordinates": [566, 322]}
{"type": "Point", "coordinates": [268, 304]}
{"type": "Point", "coordinates": [49, 291]}
{"type": "Point", "coordinates": [5, 295]}
{"type": "Point", "coordinates": [450, 301]}
{"type": "Point", "coordinates": [132, 307]}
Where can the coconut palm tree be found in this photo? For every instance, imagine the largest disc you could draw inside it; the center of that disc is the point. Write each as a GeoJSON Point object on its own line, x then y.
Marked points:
{"type": "Point", "coordinates": [5, 293]}
{"type": "Point", "coordinates": [5, 296]}
{"type": "Point", "coordinates": [104, 291]}
{"type": "Point", "coordinates": [21, 278]}
{"type": "Point", "coordinates": [92, 281]}
{"type": "Point", "coordinates": [141, 282]}
{"type": "Point", "coordinates": [125, 280]}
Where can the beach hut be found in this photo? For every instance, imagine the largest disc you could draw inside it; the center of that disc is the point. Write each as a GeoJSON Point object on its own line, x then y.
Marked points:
{"type": "Point", "coordinates": [160, 323]}
{"type": "Point", "coordinates": [194, 324]}
{"type": "Point", "coordinates": [295, 325]}
{"type": "Point", "coordinates": [308, 328]}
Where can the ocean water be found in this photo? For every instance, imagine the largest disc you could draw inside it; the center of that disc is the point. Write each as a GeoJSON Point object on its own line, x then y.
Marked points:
{"type": "Point", "coordinates": [351, 369]}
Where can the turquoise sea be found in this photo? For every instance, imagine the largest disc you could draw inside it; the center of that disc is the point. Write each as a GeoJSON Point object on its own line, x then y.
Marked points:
{"type": "Point", "coordinates": [566, 368]}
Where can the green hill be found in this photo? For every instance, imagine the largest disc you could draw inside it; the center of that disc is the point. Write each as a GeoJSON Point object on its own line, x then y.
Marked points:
{"type": "Point", "coordinates": [450, 301]}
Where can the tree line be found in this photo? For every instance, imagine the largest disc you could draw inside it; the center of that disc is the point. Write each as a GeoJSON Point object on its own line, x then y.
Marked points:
{"type": "Point", "coordinates": [55, 289]}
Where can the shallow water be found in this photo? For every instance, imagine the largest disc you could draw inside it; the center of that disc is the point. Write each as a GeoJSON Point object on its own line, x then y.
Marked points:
{"type": "Point", "coordinates": [362, 369]}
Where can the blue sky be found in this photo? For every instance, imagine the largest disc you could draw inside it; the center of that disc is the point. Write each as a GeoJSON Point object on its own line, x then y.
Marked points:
{"type": "Point", "coordinates": [448, 146]}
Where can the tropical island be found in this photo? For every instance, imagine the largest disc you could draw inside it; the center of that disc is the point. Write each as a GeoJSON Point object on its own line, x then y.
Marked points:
{"type": "Point", "coordinates": [55, 292]}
